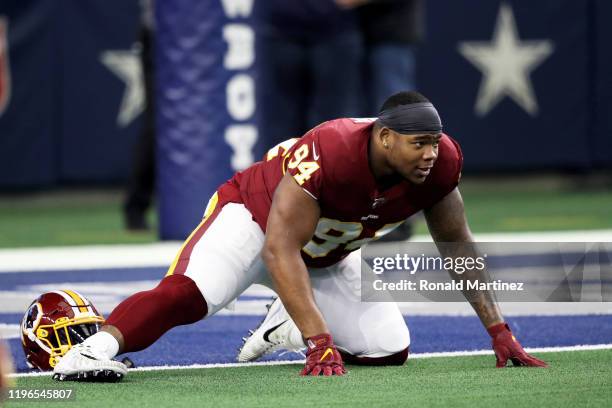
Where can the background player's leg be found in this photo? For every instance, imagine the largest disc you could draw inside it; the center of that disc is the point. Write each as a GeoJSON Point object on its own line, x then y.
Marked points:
{"type": "Point", "coordinates": [366, 333]}
{"type": "Point", "coordinates": [283, 86]}
{"type": "Point", "coordinates": [337, 81]}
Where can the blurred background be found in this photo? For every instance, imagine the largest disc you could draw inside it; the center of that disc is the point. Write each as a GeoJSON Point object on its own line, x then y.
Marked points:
{"type": "Point", "coordinates": [119, 119]}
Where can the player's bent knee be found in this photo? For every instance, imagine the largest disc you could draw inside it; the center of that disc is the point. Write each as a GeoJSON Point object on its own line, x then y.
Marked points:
{"type": "Point", "coordinates": [182, 294]}
{"type": "Point", "coordinates": [390, 338]}
{"type": "Point", "coordinates": [176, 300]}
{"type": "Point", "coordinates": [145, 316]}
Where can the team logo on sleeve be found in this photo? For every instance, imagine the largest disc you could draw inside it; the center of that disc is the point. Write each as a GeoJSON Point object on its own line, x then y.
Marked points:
{"type": "Point", "coordinates": [5, 77]}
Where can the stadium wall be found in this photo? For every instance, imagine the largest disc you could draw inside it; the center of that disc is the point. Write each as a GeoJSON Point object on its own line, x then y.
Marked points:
{"type": "Point", "coordinates": [69, 81]}
{"type": "Point", "coordinates": [541, 113]}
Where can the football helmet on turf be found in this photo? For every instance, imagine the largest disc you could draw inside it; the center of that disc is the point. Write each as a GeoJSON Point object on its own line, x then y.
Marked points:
{"type": "Point", "coordinates": [55, 322]}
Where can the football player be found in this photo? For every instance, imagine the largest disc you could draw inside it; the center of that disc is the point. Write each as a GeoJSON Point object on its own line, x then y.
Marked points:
{"type": "Point", "coordinates": [295, 221]}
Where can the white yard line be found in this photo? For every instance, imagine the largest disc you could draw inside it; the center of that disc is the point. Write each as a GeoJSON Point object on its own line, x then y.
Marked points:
{"type": "Point", "coordinates": [535, 236]}
{"type": "Point", "coordinates": [286, 362]}
{"type": "Point", "coordinates": [17, 302]}
{"type": "Point", "coordinates": [584, 347]}
{"type": "Point", "coordinates": [258, 308]}
{"type": "Point", "coordinates": [162, 254]}
{"type": "Point", "coordinates": [88, 257]}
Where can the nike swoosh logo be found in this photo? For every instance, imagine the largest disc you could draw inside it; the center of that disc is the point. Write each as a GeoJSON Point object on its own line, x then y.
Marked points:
{"type": "Point", "coordinates": [327, 352]}
{"type": "Point", "coordinates": [270, 330]}
{"type": "Point", "coordinates": [314, 152]}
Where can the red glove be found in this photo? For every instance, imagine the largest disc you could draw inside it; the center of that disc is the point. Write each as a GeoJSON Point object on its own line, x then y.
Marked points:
{"type": "Point", "coordinates": [322, 356]}
{"type": "Point", "coordinates": [506, 346]}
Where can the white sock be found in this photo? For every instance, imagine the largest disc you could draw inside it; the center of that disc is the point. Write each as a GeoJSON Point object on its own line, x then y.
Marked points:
{"type": "Point", "coordinates": [103, 342]}
{"type": "Point", "coordinates": [295, 336]}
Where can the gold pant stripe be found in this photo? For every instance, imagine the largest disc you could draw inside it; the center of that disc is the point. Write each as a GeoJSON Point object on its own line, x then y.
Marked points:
{"type": "Point", "coordinates": [210, 208]}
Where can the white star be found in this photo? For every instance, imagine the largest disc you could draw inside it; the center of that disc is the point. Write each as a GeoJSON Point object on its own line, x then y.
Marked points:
{"type": "Point", "coordinates": [506, 63]}
{"type": "Point", "coordinates": [127, 66]}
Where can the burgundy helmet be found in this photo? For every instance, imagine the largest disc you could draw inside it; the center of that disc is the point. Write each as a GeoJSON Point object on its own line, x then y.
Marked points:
{"type": "Point", "coordinates": [53, 323]}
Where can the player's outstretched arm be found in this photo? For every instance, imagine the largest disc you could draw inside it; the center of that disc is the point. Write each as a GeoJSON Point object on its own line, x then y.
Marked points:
{"type": "Point", "coordinates": [447, 224]}
{"type": "Point", "coordinates": [291, 224]}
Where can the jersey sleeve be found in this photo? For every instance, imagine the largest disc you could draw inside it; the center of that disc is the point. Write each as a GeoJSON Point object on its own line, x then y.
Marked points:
{"type": "Point", "coordinates": [304, 164]}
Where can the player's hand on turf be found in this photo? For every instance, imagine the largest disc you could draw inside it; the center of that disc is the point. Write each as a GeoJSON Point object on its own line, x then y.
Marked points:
{"type": "Point", "coordinates": [506, 346]}
{"type": "Point", "coordinates": [322, 357]}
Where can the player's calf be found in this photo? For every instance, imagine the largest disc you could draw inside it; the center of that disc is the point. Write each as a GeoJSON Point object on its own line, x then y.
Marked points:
{"type": "Point", "coordinates": [146, 316]}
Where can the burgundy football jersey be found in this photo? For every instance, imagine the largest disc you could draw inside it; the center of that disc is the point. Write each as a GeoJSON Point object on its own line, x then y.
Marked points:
{"type": "Point", "coordinates": [330, 163]}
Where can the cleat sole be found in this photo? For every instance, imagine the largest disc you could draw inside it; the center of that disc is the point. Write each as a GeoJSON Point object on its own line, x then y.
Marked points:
{"type": "Point", "coordinates": [90, 376]}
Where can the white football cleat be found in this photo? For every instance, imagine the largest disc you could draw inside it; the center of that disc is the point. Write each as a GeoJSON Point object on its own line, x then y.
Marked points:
{"type": "Point", "coordinates": [272, 334]}
{"type": "Point", "coordinates": [83, 363]}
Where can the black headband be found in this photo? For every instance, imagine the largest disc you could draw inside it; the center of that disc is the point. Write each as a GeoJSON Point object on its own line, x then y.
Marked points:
{"type": "Point", "coordinates": [415, 118]}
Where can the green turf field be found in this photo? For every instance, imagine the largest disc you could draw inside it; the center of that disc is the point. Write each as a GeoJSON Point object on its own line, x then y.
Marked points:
{"type": "Point", "coordinates": [534, 207]}
{"type": "Point", "coordinates": [66, 218]}
{"type": "Point", "coordinates": [492, 205]}
{"type": "Point", "coordinates": [577, 378]}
